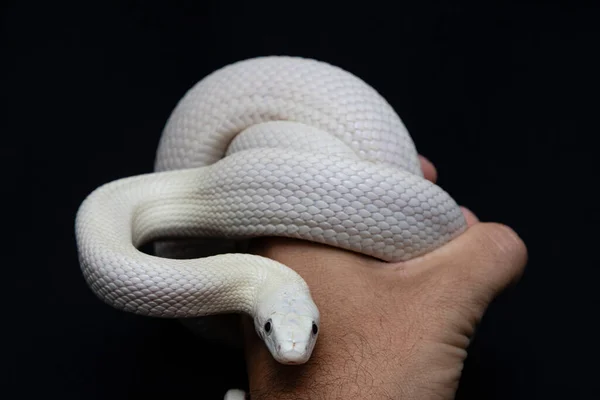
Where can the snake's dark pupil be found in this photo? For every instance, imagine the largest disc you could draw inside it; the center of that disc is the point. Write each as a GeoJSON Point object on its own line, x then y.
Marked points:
{"type": "Point", "coordinates": [315, 329]}
{"type": "Point", "coordinates": [268, 327]}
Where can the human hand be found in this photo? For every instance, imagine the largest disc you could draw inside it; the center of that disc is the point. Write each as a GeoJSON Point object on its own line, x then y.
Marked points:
{"type": "Point", "coordinates": [388, 330]}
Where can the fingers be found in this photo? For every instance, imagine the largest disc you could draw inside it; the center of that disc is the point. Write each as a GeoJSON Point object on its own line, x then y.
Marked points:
{"type": "Point", "coordinates": [430, 173]}
{"type": "Point", "coordinates": [481, 262]}
{"type": "Point", "coordinates": [478, 264]}
{"type": "Point", "coordinates": [469, 216]}
{"type": "Point", "coordinates": [504, 256]}
{"type": "Point", "coordinates": [428, 169]}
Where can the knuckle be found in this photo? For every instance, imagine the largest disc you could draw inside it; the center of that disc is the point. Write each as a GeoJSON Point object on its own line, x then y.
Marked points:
{"type": "Point", "coordinates": [505, 242]}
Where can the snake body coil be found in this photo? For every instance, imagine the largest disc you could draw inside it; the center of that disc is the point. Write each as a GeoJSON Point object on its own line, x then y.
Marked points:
{"type": "Point", "coordinates": [273, 146]}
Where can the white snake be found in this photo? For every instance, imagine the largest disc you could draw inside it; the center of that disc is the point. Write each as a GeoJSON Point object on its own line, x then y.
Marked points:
{"type": "Point", "coordinates": [273, 146]}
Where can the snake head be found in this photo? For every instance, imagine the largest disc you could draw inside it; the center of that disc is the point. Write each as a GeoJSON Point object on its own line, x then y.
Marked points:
{"type": "Point", "coordinates": [289, 325]}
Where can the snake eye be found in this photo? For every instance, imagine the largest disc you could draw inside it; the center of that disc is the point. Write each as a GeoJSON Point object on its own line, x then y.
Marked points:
{"type": "Point", "coordinates": [315, 329]}
{"type": "Point", "coordinates": [268, 326]}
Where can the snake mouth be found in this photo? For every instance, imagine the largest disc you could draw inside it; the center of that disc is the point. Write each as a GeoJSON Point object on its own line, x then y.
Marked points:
{"type": "Point", "coordinates": [293, 357]}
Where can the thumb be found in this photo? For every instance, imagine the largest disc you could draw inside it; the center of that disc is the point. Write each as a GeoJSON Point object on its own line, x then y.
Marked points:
{"type": "Point", "coordinates": [480, 263]}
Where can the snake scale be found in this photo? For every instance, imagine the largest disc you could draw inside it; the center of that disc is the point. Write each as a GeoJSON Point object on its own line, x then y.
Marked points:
{"type": "Point", "coordinates": [271, 146]}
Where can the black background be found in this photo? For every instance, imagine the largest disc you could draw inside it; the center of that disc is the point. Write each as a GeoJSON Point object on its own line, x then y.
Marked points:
{"type": "Point", "coordinates": [503, 98]}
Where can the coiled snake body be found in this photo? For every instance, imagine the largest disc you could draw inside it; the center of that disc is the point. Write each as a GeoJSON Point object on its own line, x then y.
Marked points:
{"type": "Point", "coordinates": [273, 146]}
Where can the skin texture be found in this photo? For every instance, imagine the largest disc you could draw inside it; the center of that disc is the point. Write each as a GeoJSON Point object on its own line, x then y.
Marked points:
{"type": "Point", "coordinates": [388, 331]}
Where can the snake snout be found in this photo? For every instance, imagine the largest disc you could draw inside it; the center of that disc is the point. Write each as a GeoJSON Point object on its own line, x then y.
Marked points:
{"type": "Point", "coordinates": [294, 354]}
